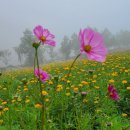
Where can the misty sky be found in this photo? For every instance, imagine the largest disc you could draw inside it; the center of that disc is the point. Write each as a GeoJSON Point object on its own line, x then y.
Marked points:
{"type": "Point", "coordinates": [60, 17]}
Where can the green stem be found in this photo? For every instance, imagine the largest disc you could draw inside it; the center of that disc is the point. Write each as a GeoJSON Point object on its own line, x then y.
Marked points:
{"type": "Point", "coordinates": [65, 89]}
{"type": "Point", "coordinates": [72, 65]}
{"type": "Point", "coordinates": [42, 97]}
{"type": "Point", "coordinates": [10, 120]}
{"type": "Point", "coordinates": [34, 62]}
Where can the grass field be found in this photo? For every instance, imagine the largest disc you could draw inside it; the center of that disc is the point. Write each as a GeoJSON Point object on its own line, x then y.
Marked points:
{"type": "Point", "coordinates": [78, 102]}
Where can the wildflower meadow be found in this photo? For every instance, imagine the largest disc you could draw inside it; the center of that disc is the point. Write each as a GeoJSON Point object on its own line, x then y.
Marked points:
{"type": "Point", "coordinates": [89, 92]}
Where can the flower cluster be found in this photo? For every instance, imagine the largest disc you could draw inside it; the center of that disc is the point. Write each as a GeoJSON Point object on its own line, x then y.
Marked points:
{"type": "Point", "coordinates": [45, 37]}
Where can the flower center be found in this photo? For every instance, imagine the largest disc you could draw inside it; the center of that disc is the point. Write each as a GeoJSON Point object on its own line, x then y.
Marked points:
{"type": "Point", "coordinates": [87, 48]}
{"type": "Point", "coordinates": [41, 76]}
{"type": "Point", "coordinates": [43, 38]}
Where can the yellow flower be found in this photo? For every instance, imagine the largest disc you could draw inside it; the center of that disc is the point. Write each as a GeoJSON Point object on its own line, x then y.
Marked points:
{"type": "Point", "coordinates": [98, 110]}
{"type": "Point", "coordinates": [111, 81]}
{"type": "Point", "coordinates": [13, 101]}
{"type": "Point", "coordinates": [96, 102]}
{"type": "Point", "coordinates": [67, 94]}
{"type": "Point", "coordinates": [19, 99]}
{"type": "Point", "coordinates": [67, 68]}
{"type": "Point", "coordinates": [67, 88]}
{"type": "Point", "coordinates": [1, 113]}
{"type": "Point", "coordinates": [38, 105]}
{"type": "Point", "coordinates": [1, 122]}
{"type": "Point", "coordinates": [25, 89]}
{"type": "Point", "coordinates": [97, 87]}
{"type": "Point", "coordinates": [82, 70]}
{"type": "Point", "coordinates": [68, 81]}
{"type": "Point", "coordinates": [59, 88]}
{"type": "Point", "coordinates": [5, 89]}
{"type": "Point", "coordinates": [32, 81]}
{"type": "Point", "coordinates": [27, 101]}
{"type": "Point", "coordinates": [124, 114]}
{"type": "Point", "coordinates": [6, 109]}
{"type": "Point", "coordinates": [63, 79]}
{"type": "Point", "coordinates": [84, 83]}
{"type": "Point", "coordinates": [47, 100]}
{"type": "Point", "coordinates": [4, 103]}
{"type": "Point", "coordinates": [124, 81]}
{"type": "Point", "coordinates": [103, 68]}
{"type": "Point", "coordinates": [94, 76]}
{"type": "Point", "coordinates": [50, 82]}
{"type": "Point", "coordinates": [85, 100]}
{"type": "Point", "coordinates": [44, 93]}
{"type": "Point", "coordinates": [80, 85]}
{"type": "Point", "coordinates": [75, 89]}
{"type": "Point", "coordinates": [72, 86]}
{"type": "Point", "coordinates": [126, 71]}
{"type": "Point", "coordinates": [114, 74]}
{"type": "Point", "coordinates": [128, 88]}
{"type": "Point", "coordinates": [94, 81]}
{"type": "Point", "coordinates": [19, 86]}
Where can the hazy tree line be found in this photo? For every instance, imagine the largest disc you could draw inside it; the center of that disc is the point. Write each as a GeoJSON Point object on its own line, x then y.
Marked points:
{"type": "Point", "coordinates": [69, 47]}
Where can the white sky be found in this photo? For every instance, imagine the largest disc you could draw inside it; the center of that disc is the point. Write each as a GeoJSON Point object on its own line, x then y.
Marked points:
{"type": "Point", "coordinates": [61, 17]}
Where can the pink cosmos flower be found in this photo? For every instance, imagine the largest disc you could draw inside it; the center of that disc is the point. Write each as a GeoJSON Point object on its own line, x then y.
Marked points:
{"type": "Point", "coordinates": [92, 44]}
{"type": "Point", "coordinates": [113, 92]}
{"type": "Point", "coordinates": [43, 75]}
{"type": "Point", "coordinates": [111, 88]}
{"type": "Point", "coordinates": [44, 35]}
{"type": "Point", "coordinates": [114, 96]}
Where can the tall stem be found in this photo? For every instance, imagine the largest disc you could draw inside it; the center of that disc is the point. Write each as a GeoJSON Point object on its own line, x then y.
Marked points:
{"type": "Point", "coordinates": [65, 88]}
{"type": "Point", "coordinates": [42, 97]}
{"type": "Point", "coordinates": [34, 62]}
{"type": "Point", "coordinates": [9, 112]}
{"type": "Point", "coordinates": [72, 65]}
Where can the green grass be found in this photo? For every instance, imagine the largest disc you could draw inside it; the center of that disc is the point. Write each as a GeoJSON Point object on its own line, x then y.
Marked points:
{"type": "Point", "coordinates": [66, 107]}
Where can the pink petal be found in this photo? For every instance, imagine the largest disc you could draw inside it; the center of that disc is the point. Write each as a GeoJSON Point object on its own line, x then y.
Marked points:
{"type": "Point", "coordinates": [88, 35]}
{"type": "Point", "coordinates": [114, 96]}
{"type": "Point", "coordinates": [97, 40]}
{"type": "Point", "coordinates": [37, 73]}
{"type": "Point", "coordinates": [50, 36]}
{"type": "Point", "coordinates": [96, 57]}
{"type": "Point", "coordinates": [38, 31]}
{"type": "Point", "coordinates": [81, 41]}
{"type": "Point", "coordinates": [50, 42]}
{"type": "Point", "coordinates": [110, 88]}
{"type": "Point", "coordinates": [45, 32]}
{"type": "Point", "coordinates": [100, 50]}
{"type": "Point", "coordinates": [45, 75]}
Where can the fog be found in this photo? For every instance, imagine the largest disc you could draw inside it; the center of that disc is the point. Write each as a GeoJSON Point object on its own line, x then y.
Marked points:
{"type": "Point", "coordinates": [61, 17]}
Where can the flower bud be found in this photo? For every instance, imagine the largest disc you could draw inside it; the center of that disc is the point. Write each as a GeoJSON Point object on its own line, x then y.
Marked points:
{"type": "Point", "coordinates": [90, 71]}
{"type": "Point", "coordinates": [1, 108]}
{"type": "Point", "coordinates": [35, 45]}
{"type": "Point", "coordinates": [83, 93]}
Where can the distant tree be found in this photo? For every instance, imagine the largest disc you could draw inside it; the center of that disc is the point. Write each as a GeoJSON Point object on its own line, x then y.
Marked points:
{"type": "Point", "coordinates": [52, 54]}
{"type": "Point", "coordinates": [25, 49]}
{"type": "Point", "coordinates": [109, 39]}
{"type": "Point", "coordinates": [5, 56]}
{"type": "Point", "coordinates": [1, 54]}
{"type": "Point", "coordinates": [65, 47]}
{"type": "Point", "coordinates": [75, 43]}
{"type": "Point", "coordinates": [19, 53]}
{"type": "Point", "coordinates": [123, 38]}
